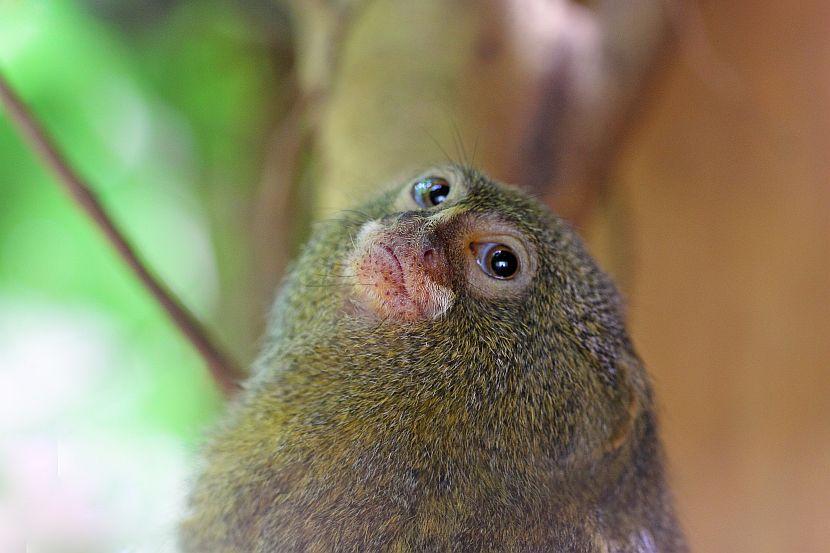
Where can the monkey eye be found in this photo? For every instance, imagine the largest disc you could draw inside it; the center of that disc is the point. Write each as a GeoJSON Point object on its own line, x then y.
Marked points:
{"type": "Point", "coordinates": [498, 261]}
{"type": "Point", "coordinates": [430, 191]}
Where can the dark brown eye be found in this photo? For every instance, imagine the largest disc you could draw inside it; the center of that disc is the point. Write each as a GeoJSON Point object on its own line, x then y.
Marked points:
{"type": "Point", "coordinates": [498, 261]}
{"type": "Point", "coordinates": [430, 191]}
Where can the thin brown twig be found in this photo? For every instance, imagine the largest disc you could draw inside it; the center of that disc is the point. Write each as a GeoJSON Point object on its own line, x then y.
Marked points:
{"type": "Point", "coordinates": [223, 370]}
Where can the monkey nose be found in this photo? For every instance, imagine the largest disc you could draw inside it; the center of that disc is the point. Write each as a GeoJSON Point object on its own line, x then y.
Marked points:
{"type": "Point", "coordinates": [400, 273]}
{"type": "Point", "coordinates": [435, 265]}
{"type": "Point", "coordinates": [428, 257]}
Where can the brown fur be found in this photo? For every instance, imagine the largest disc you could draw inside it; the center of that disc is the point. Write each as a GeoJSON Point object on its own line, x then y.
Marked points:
{"type": "Point", "coordinates": [506, 424]}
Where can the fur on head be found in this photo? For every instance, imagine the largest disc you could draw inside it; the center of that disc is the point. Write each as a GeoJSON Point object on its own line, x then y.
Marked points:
{"type": "Point", "coordinates": [445, 365]}
{"type": "Point", "coordinates": [399, 312]}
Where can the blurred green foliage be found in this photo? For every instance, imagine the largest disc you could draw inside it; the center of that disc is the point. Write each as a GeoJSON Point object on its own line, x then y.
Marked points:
{"type": "Point", "coordinates": [165, 119]}
{"type": "Point", "coordinates": [164, 107]}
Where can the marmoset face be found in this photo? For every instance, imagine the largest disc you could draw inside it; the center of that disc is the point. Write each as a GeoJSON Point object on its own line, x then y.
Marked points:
{"type": "Point", "coordinates": [453, 284]}
{"type": "Point", "coordinates": [438, 242]}
{"type": "Point", "coordinates": [454, 262]}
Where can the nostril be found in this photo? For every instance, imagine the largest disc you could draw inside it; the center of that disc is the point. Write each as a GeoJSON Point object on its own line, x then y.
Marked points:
{"type": "Point", "coordinates": [429, 255]}
{"type": "Point", "coordinates": [435, 265]}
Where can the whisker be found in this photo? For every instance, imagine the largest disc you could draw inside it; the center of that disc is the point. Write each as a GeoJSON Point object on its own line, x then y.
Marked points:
{"type": "Point", "coordinates": [449, 159]}
{"type": "Point", "coordinates": [458, 139]}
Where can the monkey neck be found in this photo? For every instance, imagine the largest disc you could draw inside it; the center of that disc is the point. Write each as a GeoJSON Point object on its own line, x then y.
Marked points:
{"type": "Point", "coordinates": [385, 473]}
{"type": "Point", "coordinates": [351, 412]}
{"type": "Point", "coordinates": [371, 442]}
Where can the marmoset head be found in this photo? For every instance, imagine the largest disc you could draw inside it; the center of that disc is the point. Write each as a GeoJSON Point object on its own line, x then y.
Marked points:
{"type": "Point", "coordinates": [452, 295]}
{"type": "Point", "coordinates": [447, 369]}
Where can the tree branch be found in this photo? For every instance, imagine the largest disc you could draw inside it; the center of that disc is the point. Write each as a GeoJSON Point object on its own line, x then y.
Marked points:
{"type": "Point", "coordinates": [224, 372]}
{"type": "Point", "coordinates": [602, 64]}
{"type": "Point", "coordinates": [274, 217]}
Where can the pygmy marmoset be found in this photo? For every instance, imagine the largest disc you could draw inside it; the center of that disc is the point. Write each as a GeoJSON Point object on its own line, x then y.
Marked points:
{"type": "Point", "coordinates": [446, 370]}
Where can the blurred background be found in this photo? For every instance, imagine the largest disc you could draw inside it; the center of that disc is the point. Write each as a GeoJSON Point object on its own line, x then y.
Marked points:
{"type": "Point", "coordinates": [696, 166]}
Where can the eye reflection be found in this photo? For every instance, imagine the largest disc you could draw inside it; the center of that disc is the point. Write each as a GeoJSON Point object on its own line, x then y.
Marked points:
{"type": "Point", "coordinates": [498, 261]}
{"type": "Point", "coordinates": [430, 191]}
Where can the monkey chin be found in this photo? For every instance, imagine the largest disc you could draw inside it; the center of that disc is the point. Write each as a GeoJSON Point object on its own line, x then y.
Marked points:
{"type": "Point", "coordinates": [394, 276]}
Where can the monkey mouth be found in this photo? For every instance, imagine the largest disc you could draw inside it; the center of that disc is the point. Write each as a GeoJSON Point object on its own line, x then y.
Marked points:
{"type": "Point", "coordinates": [390, 278]}
{"type": "Point", "coordinates": [394, 280]}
